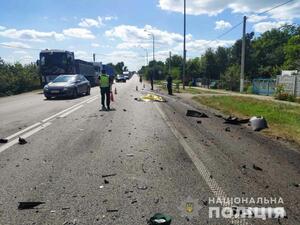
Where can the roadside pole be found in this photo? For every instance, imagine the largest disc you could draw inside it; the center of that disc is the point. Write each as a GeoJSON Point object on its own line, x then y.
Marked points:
{"type": "Point", "coordinates": [170, 57]}
{"type": "Point", "coordinates": [243, 56]}
{"type": "Point", "coordinates": [184, 50]}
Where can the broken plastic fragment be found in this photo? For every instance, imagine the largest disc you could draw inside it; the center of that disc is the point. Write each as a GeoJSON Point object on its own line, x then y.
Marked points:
{"type": "Point", "coordinates": [258, 123]}
{"type": "Point", "coordinates": [160, 219]}
{"type": "Point", "coordinates": [3, 140]}
{"type": "Point", "coordinates": [28, 205]}
{"type": "Point", "coordinates": [193, 113]}
{"type": "Point", "coordinates": [22, 141]}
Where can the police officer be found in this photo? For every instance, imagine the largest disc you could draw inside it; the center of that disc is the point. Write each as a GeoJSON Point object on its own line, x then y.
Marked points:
{"type": "Point", "coordinates": [105, 84]}
{"type": "Point", "coordinates": [169, 84]}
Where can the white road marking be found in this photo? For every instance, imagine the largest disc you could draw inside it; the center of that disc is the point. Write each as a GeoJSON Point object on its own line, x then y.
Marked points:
{"type": "Point", "coordinates": [91, 100]}
{"type": "Point", "coordinates": [65, 110]}
{"type": "Point", "coordinates": [26, 135]}
{"type": "Point", "coordinates": [70, 111]}
{"type": "Point", "coordinates": [22, 131]}
{"type": "Point", "coordinates": [44, 124]}
{"type": "Point", "coordinates": [212, 183]}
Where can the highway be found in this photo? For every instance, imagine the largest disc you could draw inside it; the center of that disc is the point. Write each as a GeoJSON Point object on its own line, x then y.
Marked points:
{"type": "Point", "coordinates": [123, 166]}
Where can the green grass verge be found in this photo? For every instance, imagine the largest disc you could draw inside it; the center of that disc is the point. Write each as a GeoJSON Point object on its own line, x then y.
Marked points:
{"type": "Point", "coordinates": [283, 119]}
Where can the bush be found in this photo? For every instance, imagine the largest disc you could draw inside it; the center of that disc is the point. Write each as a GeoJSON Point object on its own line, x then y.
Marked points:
{"type": "Point", "coordinates": [16, 78]}
{"type": "Point", "coordinates": [281, 94]}
{"type": "Point", "coordinates": [249, 89]}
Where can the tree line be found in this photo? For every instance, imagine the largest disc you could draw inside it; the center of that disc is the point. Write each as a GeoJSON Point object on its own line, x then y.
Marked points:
{"type": "Point", "coordinates": [17, 78]}
{"type": "Point", "coordinates": [266, 55]}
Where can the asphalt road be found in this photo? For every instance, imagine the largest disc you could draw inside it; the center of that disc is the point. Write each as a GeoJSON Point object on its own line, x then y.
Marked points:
{"type": "Point", "coordinates": [156, 156]}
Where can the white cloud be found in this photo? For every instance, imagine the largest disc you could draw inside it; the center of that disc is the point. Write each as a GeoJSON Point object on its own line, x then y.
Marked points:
{"type": "Point", "coordinates": [256, 18]}
{"type": "Point", "coordinates": [13, 44]}
{"type": "Point", "coordinates": [213, 7]}
{"type": "Point", "coordinates": [79, 33]}
{"type": "Point", "coordinates": [21, 52]}
{"type": "Point", "coordinates": [265, 26]}
{"type": "Point", "coordinates": [83, 55]}
{"type": "Point", "coordinates": [108, 18]}
{"type": "Point", "coordinates": [88, 22]}
{"type": "Point", "coordinates": [31, 35]}
{"type": "Point", "coordinates": [221, 25]}
{"type": "Point", "coordinates": [95, 45]}
{"type": "Point", "coordinates": [2, 28]}
{"type": "Point", "coordinates": [133, 36]}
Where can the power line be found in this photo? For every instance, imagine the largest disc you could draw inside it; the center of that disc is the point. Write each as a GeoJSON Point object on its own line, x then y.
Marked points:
{"type": "Point", "coordinates": [275, 7]}
{"type": "Point", "coordinates": [231, 29]}
{"type": "Point", "coordinates": [19, 47]}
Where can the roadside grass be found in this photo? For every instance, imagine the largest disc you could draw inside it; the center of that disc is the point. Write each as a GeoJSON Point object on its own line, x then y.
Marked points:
{"type": "Point", "coordinates": [283, 119]}
{"type": "Point", "coordinates": [190, 90]}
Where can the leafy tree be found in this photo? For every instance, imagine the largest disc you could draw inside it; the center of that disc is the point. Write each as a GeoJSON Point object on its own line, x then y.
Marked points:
{"type": "Point", "coordinates": [292, 53]}
{"type": "Point", "coordinates": [230, 80]}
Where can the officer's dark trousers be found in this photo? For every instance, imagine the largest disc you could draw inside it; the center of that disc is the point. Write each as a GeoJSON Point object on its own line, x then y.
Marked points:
{"type": "Point", "coordinates": [105, 93]}
{"type": "Point", "coordinates": [170, 89]}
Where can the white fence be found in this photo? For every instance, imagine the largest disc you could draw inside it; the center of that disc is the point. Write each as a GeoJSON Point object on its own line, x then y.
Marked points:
{"type": "Point", "coordinates": [291, 84]}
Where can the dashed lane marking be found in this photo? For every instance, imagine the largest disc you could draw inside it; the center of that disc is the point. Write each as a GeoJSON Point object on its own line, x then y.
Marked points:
{"type": "Point", "coordinates": [211, 182]}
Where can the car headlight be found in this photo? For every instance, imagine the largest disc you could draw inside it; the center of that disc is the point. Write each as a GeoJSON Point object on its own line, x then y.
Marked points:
{"type": "Point", "coordinates": [46, 88]}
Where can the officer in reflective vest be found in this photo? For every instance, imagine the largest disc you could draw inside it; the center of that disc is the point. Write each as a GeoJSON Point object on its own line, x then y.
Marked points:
{"type": "Point", "coordinates": [104, 81]}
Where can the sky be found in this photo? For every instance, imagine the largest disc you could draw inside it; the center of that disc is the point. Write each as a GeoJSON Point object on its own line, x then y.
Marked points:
{"type": "Point", "coordinates": [122, 30]}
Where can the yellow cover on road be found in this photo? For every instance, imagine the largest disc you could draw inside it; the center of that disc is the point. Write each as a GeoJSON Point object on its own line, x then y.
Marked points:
{"type": "Point", "coordinates": [152, 97]}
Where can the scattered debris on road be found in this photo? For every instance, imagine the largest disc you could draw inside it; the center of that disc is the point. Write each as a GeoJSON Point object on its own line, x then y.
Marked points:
{"type": "Point", "coordinates": [142, 188]}
{"type": "Point", "coordinates": [22, 141]}
{"type": "Point", "coordinates": [130, 155]}
{"type": "Point", "coordinates": [193, 113]}
{"type": "Point", "coordinates": [160, 219]}
{"type": "Point", "coordinates": [218, 115]}
{"type": "Point", "coordinates": [235, 120]}
{"type": "Point", "coordinates": [29, 205]}
{"type": "Point", "coordinates": [296, 185]}
{"type": "Point", "coordinates": [3, 140]}
{"type": "Point", "coordinates": [151, 98]}
{"type": "Point", "coordinates": [106, 181]}
{"type": "Point", "coordinates": [199, 121]}
{"type": "Point", "coordinates": [124, 110]}
{"type": "Point", "coordinates": [109, 175]}
{"type": "Point", "coordinates": [257, 168]}
{"type": "Point", "coordinates": [112, 210]}
{"type": "Point", "coordinates": [227, 129]}
{"type": "Point", "coordinates": [101, 187]}
{"type": "Point", "coordinates": [258, 123]}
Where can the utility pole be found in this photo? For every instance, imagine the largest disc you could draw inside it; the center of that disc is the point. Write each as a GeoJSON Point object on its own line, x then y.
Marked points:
{"type": "Point", "coordinates": [184, 50]}
{"type": "Point", "coordinates": [153, 72]}
{"type": "Point", "coordinates": [170, 53]}
{"type": "Point", "coordinates": [243, 56]}
{"type": "Point", "coordinates": [147, 57]}
{"type": "Point", "coordinates": [94, 57]}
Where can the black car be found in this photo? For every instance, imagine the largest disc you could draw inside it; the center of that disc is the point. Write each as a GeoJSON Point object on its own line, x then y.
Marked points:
{"type": "Point", "coordinates": [67, 86]}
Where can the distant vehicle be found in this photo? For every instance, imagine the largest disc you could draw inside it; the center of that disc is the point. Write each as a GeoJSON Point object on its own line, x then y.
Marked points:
{"type": "Point", "coordinates": [126, 74]}
{"type": "Point", "coordinates": [121, 78]}
{"type": "Point", "coordinates": [52, 63]}
{"type": "Point", "coordinates": [67, 86]}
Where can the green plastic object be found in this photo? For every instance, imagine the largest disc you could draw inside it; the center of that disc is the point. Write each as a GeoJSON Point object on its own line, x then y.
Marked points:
{"type": "Point", "coordinates": [160, 219]}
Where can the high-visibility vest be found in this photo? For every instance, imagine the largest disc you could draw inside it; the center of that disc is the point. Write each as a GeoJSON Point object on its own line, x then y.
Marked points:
{"type": "Point", "coordinates": [104, 80]}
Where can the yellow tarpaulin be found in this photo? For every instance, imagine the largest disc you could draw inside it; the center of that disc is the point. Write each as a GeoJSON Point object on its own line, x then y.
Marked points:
{"type": "Point", "coordinates": [151, 97]}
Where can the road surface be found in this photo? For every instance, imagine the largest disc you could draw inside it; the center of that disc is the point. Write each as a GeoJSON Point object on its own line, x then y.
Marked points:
{"type": "Point", "coordinates": [120, 167]}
